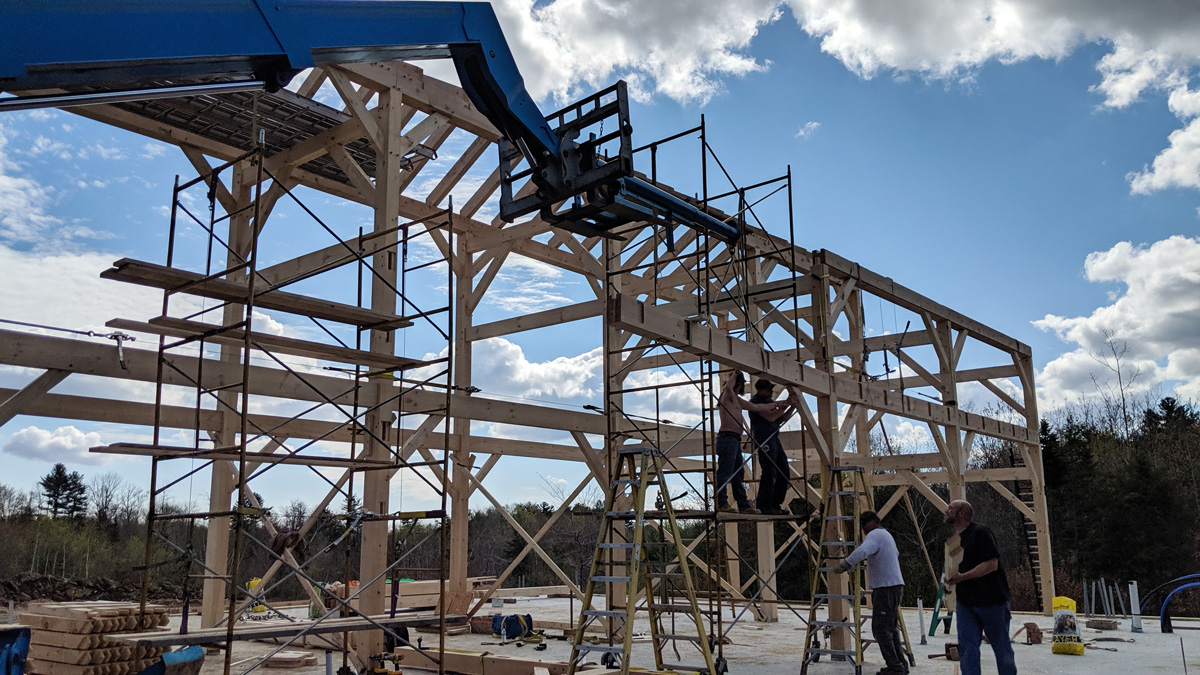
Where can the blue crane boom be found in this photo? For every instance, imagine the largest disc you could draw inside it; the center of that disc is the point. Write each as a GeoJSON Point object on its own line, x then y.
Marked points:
{"type": "Point", "coordinates": [73, 44]}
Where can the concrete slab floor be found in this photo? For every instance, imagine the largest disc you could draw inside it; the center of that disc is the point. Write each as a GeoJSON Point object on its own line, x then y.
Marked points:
{"type": "Point", "coordinates": [770, 648]}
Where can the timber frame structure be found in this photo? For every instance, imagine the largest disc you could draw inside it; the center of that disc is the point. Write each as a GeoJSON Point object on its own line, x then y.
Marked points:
{"type": "Point", "coordinates": [369, 149]}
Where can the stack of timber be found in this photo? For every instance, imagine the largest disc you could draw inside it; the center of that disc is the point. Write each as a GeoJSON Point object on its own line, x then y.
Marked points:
{"type": "Point", "coordinates": [67, 638]}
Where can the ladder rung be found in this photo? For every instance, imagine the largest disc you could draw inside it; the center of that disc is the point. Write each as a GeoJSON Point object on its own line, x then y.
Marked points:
{"type": "Point", "coordinates": [843, 652]}
{"type": "Point", "coordinates": [827, 596]}
{"type": "Point", "coordinates": [839, 517]}
{"type": "Point", "coordinates": [841, 493]}
{"type": "Point", "coordinates": [637, 451]}
{"type": "Point", "coordinates": [607, 649]}
{"type": "Point", "coordinates": [856, 469]}
{"type": "Point", "coordinates": [604, 579]}
{"type": "Point", "coordinates": [616, 613]}
{"type": "Point", "coordinates": [676, 636]}
{"type": "Point", "coordinates": [842, 624]}
{"type": "Point", "coordinates": [607, 545]}
{"type": "Point", "coordinates": [664, 575]}
{"type": "Point", "coordinates": [620, 514]}
{"type": "Point", "coordinates": [838, 543]}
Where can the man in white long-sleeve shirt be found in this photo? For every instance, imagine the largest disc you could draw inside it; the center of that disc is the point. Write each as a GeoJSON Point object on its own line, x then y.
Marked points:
{"type": "Point", "coordinates": [887, 588]}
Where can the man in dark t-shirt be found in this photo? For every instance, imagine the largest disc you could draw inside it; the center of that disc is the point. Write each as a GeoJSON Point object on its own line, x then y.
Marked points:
{"type": "Point", "coordinates": [982, 593]}
{"type": "Point", "coordinates": [772, 461]}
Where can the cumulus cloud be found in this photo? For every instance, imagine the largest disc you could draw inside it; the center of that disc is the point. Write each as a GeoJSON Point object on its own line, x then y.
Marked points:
{"type": "Point", "coordinates": [684, 49]}
{"type": "Point", "coordinates": [951, 39]}
{"type": "Point", "coordinates": [502, 367]}
{"type": "Point", "coordinates": [908, 437]}
{"type": "Point", "coordinates": [678, 399]}
{"type": "Point", "coordinates": [65, 444]}
{"type": "Point", "coordinates": [1178, 165]}
{"type": "Point", "coordinates": [679, 48]}
{"type": "Point", "coordinates": [1151, 325]}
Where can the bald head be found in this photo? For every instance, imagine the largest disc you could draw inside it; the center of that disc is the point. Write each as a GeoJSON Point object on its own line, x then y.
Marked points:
{"type": "Point", "coordinates": [960, 513]}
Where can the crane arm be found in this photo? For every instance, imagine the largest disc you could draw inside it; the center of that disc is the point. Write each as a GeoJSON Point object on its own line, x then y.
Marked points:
{"type": "Point", "coordinates": [73, 44]}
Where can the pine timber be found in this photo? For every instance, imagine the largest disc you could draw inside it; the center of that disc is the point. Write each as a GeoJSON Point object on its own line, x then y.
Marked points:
{"type": "Point", "coordinates": [171, 326]}
{"type": "Point", "coordinates": [170, 278]}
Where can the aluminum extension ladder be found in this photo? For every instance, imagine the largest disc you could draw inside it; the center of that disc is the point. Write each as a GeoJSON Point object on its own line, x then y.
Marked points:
{"type": "Point", "coordinates": [623, 556]}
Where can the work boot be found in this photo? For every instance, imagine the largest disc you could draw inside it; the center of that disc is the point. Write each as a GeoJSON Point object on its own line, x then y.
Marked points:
{"type": "Point", "coordinates": [748, 510]}
{"type": "Point", "coordinates": [774, 511]}
{"type": "Point", "coordinates": [726, 508]}
{"type": "Point", "coordinates": [893, 670]}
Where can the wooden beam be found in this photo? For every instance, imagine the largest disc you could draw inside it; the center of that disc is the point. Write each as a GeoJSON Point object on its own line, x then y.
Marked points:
{"type": "Point", "coordinates": [14, 405]}
{"type": "Point", "coordinates": [887, 289]}
{"type": "Point", "coordinates": [643, 319]}
{"type": "Point", "coordinates": [170, 278]}
{"type": "Point", "coordinates": [165, 325]}
{"type": "Point", "coordinates": [1014, 500]}
{"type": "Point", "coordinates": [549, 317]}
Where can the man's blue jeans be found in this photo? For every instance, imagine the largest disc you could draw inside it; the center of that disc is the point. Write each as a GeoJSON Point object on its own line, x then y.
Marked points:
{"type": "Point", "coordinates": [729, 469]}
{"type": "Point", "coordinates": [976, 621]}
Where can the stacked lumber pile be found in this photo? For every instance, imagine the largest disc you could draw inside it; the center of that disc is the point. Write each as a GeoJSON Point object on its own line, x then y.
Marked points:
{"type": "Point", "coordinates": [67, 638]}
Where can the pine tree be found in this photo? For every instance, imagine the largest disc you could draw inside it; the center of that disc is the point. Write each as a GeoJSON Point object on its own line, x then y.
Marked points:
{"type": "Point", "coordinates": [65, 493]}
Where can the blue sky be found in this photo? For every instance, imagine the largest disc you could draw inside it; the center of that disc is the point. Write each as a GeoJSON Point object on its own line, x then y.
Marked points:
{"type": "Point", "coordinates": [1033, 165]}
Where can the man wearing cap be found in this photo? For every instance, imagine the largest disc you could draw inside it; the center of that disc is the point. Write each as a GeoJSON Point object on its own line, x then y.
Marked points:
{"type": "Point", "coordinates": [772, 461]}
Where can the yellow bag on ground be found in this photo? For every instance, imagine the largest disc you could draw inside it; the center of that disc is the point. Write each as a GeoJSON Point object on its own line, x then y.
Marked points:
{"type": "Point", "coordinates": [1066, 630]}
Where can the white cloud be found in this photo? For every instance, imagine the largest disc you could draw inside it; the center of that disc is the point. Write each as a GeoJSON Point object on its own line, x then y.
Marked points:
{"type": "Point", "coordinates": [1154, 321]}
{"type": "Point", "coordinates": [154, 149]}
{"type": "Point", "coordinates": [23, 202]}
{"type": "Point", "coordinates": [524, 285]}
{"type": "Point", "coordinates": [679, 48]}
{"type": "Point", "coordinates": [907, 437]}
{"type": "Point", "coordinates": [45, 146]}
{"type": "Point", "coordinates": [502, 367]}
{"type": "Point", "coordinates": [1179, 164]}
{"type": "Point", "coordinates": [65, 444]}
{"type": "Point", "coordinates": [807, 129]}
{"type": "Point", "coordinates": [679, 403]}
{"type": "Point", "coordinates": [103, 152]}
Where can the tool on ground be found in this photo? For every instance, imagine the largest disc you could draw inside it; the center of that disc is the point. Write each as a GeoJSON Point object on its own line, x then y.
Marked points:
{"type": "Point", "coordinates": [622, 557]}
{"type": "Point", "coordinates": [921, 619]}
{"type": "Point", "coordinates": [949, 653]}
{"type": "Point", "coordinates": [1135, 623]}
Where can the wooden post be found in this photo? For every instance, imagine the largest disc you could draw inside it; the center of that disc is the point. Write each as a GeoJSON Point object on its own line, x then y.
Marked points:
{"type": "Point", "coordinates": [374, 551]}
{"type": "Point", "coordinates": [764, 531]}
{"type": "Point", "coordinates": [948, 358]}
{"type": "Point", "coordinates": [458, 593]}
{"type": "Point", "coordinates": [223, 478]}
{"type": "Point", "coordinates": [827, 428]}
{"type": "Point", "coordinates": [1033, 460]}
